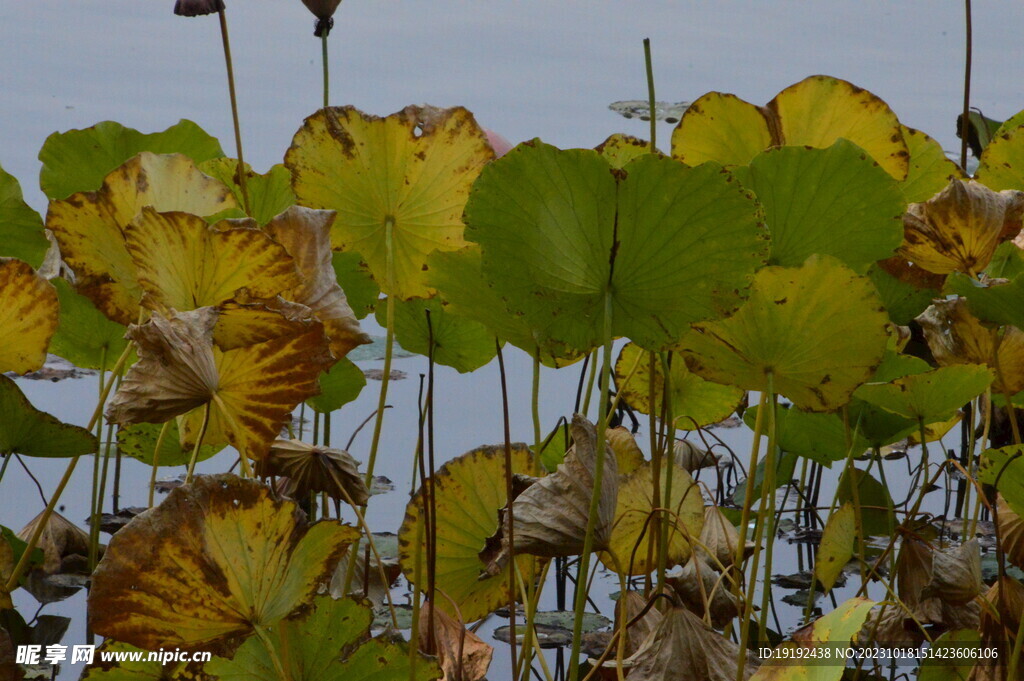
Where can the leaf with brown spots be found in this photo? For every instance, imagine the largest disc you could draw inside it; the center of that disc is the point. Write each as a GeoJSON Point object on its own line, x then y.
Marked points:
{"type": "Point", "coordinates": [28, 317]}
{"type": "Point", "coordinates": [90, 226]}
{"type": "Point", "coordinates": [399, 184]}
{"type": "Point", "coordinates": [216, 560]}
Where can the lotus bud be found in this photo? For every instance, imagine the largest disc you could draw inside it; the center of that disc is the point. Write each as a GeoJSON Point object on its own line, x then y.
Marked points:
{"type": "Point", "coordinates": [197, 8]}
{"type": "Point", "coordinates": [323, 10]}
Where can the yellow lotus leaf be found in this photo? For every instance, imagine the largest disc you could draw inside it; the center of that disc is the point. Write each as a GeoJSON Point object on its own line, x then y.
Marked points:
{"type": "Point", "coordinates": [955, 336]}
{"type": "Point", "coordinates": [183, 263]}
{"type": "Point", "coordinates": [930, 170]}
{"type": "Point", "coordinates": [815, 112]}
{"type": "Point", "coordinates": [90, 226]}
{"type": "Point", "coordinates": [635, 504]}
{"type": "Point", "coordinates": [627, 452]}
{"type": "Point", "coordinates": [306, 234]}
{"type": "Point", "coordinates": [958, 229]}
{"type": "Point", "coordinates": [28, 317]}
{"type": "Point", "coordinates": [244, 320]}
{"type": "Point", "coordinates": [218, 559]}
{"type": "Point", "coordinates": [399, 184]}
{"type": "Point", "coordinates": [251, 390]}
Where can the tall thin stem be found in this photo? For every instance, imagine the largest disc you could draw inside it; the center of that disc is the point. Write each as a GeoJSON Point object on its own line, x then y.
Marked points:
{"type": "Point", "coordinates": [234, 110]}
{"type": "Point", "coordinates": [327, 80]}
{"type": "Point", "coordinates": [508, 514]}
{"type": "Point", "coordinates": [965, 124]}
{"type": "Point", "coordinates": [650, 93]}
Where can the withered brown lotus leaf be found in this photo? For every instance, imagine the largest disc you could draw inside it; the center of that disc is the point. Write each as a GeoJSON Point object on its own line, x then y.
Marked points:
{"type": "Point", "coordinates": [703, 589]}
{"type": "Point", "coordinates": [196, 8]}
{"type": "Point", "coordinates": [1011, 532]}
{"type": "Point", "coordinates": [367, 582]}
{"type": "Point", "coordinates": [306, 234]}
{"type": "Point", "coordinates": [246, 320]}
{"type": "Point", "coordinates": [550, 517]}
{"type": "Point", "coordinates": [720, 537]}
{"type": "Point", "coordinates": [6, 569]}
{"type": "Point", "coordinates": [956, 574]}
{"type": "Point", "coordinates": [60, 539]}
{"type": "Point", "coordinates": [955, 336]}
{"type": "Point", "coordinates": [684, 648]}
{"type": "Point", "coordinates": [629, 606]}
{"type": "Point", "coordinates": [314, 469]}
{"type": "Point", "coordinates": [692, 457]}
{"type": "Point", "coordinates": [890, 626]}
{"type": "Point", "coordinates": [463, 655]}
{"type": "Point", "coordinates": [217, 559]}
{"type": "Point", "coordinates": [958, 229]}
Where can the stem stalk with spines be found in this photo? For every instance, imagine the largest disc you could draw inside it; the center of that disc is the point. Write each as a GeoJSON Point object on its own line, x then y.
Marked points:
{"type": "Point", "coordinates": [595, 498]}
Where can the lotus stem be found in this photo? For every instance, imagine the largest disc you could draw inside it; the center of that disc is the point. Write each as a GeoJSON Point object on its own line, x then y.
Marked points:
{"type": "Point", "coordinates": [965, 124]}
{"type": "Point", "coordinates": [648, 62]}
{"type": "Point", "coordinates": [241, 175]}
{"type": "Point", "coordinates": [590, 383]}
{"type": "Point", "coordinates": [389, 226]}
{"type": "Point", "coordinates": [530, 641]}
{"type": "Point", "coordinates": [271, 650]}
{"type": "Point", "coordinates": [669, 465]}
{"type": "Point", "coordinates": [655, 474]}
{"type": "Point", "coordinates": [199, 443]}
{"type": "Point", "coordinates": [428, 486]}
{"type": "Point", "coordinates": [417, 575]}
{"type": "Point", "coordinates": [769, 492]}
{"type": "Point", "coordinates": [327, 80]}
{"type": "Point", "coordinates": [595, 497]}
{"type": "Point", "coordinates": [156, 459]}
{"type": "Point", "coordinates": [509, 525]}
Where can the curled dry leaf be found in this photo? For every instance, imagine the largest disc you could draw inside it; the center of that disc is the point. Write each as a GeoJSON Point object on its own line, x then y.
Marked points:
{"type": "Point", "coordinates": [313, 469]}
{"type": "Point", "coordinates": [956, 574]}
{"type": "Point", "coordinates": [721, 538]}
{"type": "Point", "coordinates": [955, 336]}
{"type": "Point", "coordinates": [306, 234]}
{"type": "Point", "coordinates": [228, 557]}
{"type": "Point", "coordinates": [549, 518]}
{"type": "Point", "coordinates": [462, 654]}
{"type": "Point", "coordinates": [693, 458]}
{"type": "Point", "coordinates": [366, 581]}
{"type": "Point", "coordinates": [61, 539]}
{"type": "Point", "coordinates": [939, 586]}
{"type": "Point", "coordinates": [704, 590]}
{"type": "Point", "coordinates": [958, 229]}
{"type": "Point", "coordinates": [1011, 532]}
{"type": "Point", "coordinates": [629, 606]}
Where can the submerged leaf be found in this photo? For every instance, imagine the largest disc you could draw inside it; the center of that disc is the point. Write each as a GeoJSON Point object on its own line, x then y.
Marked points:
{"type": "Point", "coordinates": [28, 317]}
{"type": "Point", "coordinates": [225, 553]}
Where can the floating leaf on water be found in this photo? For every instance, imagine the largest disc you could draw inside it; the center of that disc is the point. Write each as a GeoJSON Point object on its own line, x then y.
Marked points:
{"type": "Point", "coordinates": [28, 317]}
{"type": "Point", "coordinates": [819, 330]}
{"type": "Point", "coordinates": [21, 229]}
{"type": "Point", "coordinates": [670, 112]}
{"type": "Point", "coordinates": [26, 430]}
{"type": "Point", "coordinates": [463, 656]}
{"type": "Point", "coordinates": [229, 557]}
{"type": "Point", "coordinates": [312, 469]}
{"type": "Point", "coordinates": [90, 226]}
{"type": "Point", "coordinates": [399, 184]}
{"type": "Point", "coordinates": [547, 636]}
{"type": "Point", "coordinates": [468, 490]}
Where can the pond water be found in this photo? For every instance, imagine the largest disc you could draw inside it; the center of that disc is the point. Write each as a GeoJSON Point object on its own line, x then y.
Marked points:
{"type": "Point", "coordinates": [527, 69]}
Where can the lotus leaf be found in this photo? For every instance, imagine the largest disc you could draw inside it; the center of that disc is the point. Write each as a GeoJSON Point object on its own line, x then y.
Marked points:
{"type": "Point", "coordinates": [960, 227]}
{"type": "Point", "coordinates": [836, 548]}
{"type": "Point", "coordinates": [245, 321]}
{"type": "Point", "coordinates": [903, 301]}
{"type": "Point", "coordinates": [28, 317]}
{"type": "Point", "coordinates": [184, 264]}
{"type": "Point", "coordinates": [704, 591]}
{"type": "Point", "coordinates": [835, 201]}
{"type": "Point", "coordinates": [139, 441]}
{"type": "Point", "coordinates": [225, 554]}
{"type": "Point", "coordinates": [620, 149]}
{"type": "Point", "coordinates": [85, 337]}
{"type": "Point", "coordinates": [90, 226]}
{"type": "Point", "coordinates": [356, 281]}
{"type": "Point", "coordinates": [635, 504]}
{"type": "Point", "coordinates": [79, 160]}
{"type": "Point", "coordinates": [659, 245]}
{"type": "Point", "coordinates": [814, 112]}
{"type": "Point", "coordinates": [931, 396]}
{"type": "Point", "coordinates": [837, 628]}
{"type": "Point", "coordinates": [60, 539]}
{"type": "Point", "coordinates": [312, 469]}
{"type": "Point", "coordinates": [1011, 532]}
{"type": "Point", "coordinates": [549, 517]}
{"type": "Point", "coordinates": [270, 194]}
{"type": "Point", "coordinates": [719, 538]}
{"type": "Point", "coordinates": [21, 229]}
{"type": "Point", "coordinates": [251, 390]}
{"type": "Point", "coordinates": [955, 655]}
{"type": "Point", "coordinates": [399, 184]}
{"type": "Point", "coordinates": [874, 499]}
{"type": "Point", "coordinates": [458, 277]}
{"type": "Point", "coordinates": [695, 402]}
{"type": "Point", "coordinates": [818, 330]}
{"type": "Point", "coordinates": [26, 430]}
{"type": "Point", "coordinates": [468, 491]}
{"type": "Point", "coordinates": [459, 342]}
{"type": "Point", "coordinates": [818, 436]}
{"type": "Point", "coordinates": [996, 302]}
{"type": "Point", "coordinates": [930, 170]}
{"type": "Point", "coordinates": [339, 385]}
{"type": "Point", "coordinates": [1001, 165]}
{"type": "Point", "coordinates": [463, 656]}
{"type": "Point", "coordinates": [955, 336]}
{"type": "Point", "coordinates": [1004, 470]}
{"type": "Point", "coordinates": [627, 452]}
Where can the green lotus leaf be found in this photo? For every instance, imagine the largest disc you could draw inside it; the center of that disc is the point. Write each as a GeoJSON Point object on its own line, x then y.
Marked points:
{"type": "Point", "coordinates": [999, 303]}
{"type": "Point", "coordinates": [876, 426]}
{"type": "Point", "coordinates": [1011, 123]}
{"type": "Point", "coordinates": [21, 229]}
{"type": "Point", "coordinates": [325, 644]}
{"type": "Point", "coordinates": [140, 670]}
{"type": "Point", "coordinates": [836, 548]}
{"type": "Point", "coordinates": [695, 402]}
{"type": "Point", "coordinates": [903, 301]}
{"type": "Point", "coordinates": [90, 226]}
{"type": "Point", "coordinates": [818, 330]}
{"type": "Point", "coordinates": [339, 385]}
{"type": "Point", "coordinates": [930, 168]}
{"type": "Point", "coordinates": [85, 337]}
{"type": "Point", "coordinates": [26, 430]}
{"type": "Point", "coordinates": [620, 149]}
{"type": "Point", "coordinates": [230, 557]}
{"type": "Point", "coordinates": [1001, 165]}
{"type": "Point", "coordinates": [955, 656]}
{"type": "Point", "coordinates": [818, 436]}
{"type": "Point", "coordinates": [878, 520]}
{"type": "Point", "coordinates": [459, 342]}
{"type": "Point", "coordinates": [140, 439]}
{"type": "Point", "coordinates": [355, 280]}
{"type": "Point", "coordinates": [836, 201]}
{"type": "Point", "coordinates": [897, 365]}
{"type": "Point", "coordinates": [79, 160]}
{"type": "Point", "coordinates": [469, 490]}
{"type": "Point", "coordinates": [815, 112]}
{"type": "Point", "coordinates": [399, 184]}
{"type": "Point", "coordinates": [659, 245]}
{"type": "Point", "coordinates": [1004, 469]}
{"type": "Point", "coordinates": [931, 396]}
{"type": "Point", "coordinates": [458, 277]}
{"type": "Point", "coordinates": [28, 317]}
{"type": "Point", "coordinates": [1007, 262]}
{"type": "Point", "coordinates": [270, 194]}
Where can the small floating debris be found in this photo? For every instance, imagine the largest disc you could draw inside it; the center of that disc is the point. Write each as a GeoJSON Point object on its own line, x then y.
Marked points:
{"type": "Point", "coordinates": [670, 112]}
